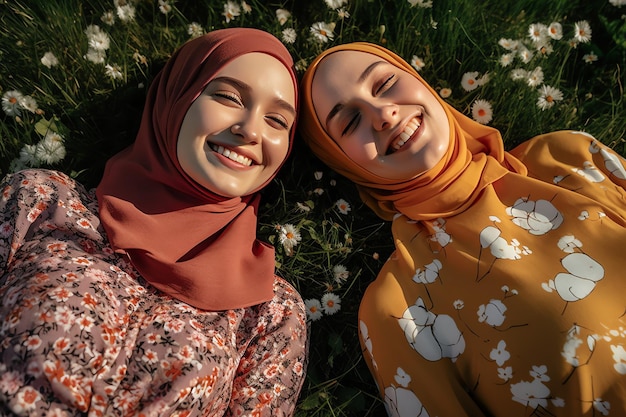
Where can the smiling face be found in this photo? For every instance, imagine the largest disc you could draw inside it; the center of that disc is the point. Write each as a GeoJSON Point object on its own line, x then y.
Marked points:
{"type": "Point", "coordinates": [384, 118]}
{"type": "Point", "coordinates": [235, 135]}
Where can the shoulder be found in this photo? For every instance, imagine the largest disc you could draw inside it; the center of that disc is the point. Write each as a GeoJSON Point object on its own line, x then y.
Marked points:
{"type": "Point", "coordinates": [31, 178]}
{"type": "Point", "coordinates": [561, 143]}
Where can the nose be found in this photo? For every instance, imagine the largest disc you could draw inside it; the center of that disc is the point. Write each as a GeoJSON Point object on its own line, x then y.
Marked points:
{"type": "Point", "coordinates": [384, 115]}
{"type": "Point", "coordinates": [248, 128]}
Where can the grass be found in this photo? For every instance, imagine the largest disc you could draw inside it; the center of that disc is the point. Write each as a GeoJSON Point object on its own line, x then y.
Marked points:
{"type": "Point", "coordinates": [97, 116]}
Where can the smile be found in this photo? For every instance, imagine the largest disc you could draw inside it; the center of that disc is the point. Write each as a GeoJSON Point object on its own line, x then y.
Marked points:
{"type": "Point", "coordinates": [232, 155]}
{"type": "Point", "coordinates": [405, 135]}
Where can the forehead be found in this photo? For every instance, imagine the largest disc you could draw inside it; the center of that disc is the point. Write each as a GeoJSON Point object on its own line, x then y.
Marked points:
{"type": "Point", "coordinates": [263, 73]}
{"type": "Point", "coordinates": [340, 68]}
{"type": "Point", "coordinates": [336, 77]}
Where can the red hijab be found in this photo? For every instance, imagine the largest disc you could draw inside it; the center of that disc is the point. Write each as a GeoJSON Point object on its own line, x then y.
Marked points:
{"type": "Point", "coordinates": [190, 243]}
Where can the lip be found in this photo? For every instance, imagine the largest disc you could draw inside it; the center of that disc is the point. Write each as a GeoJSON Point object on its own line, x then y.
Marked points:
{"type": "Point", "coordinates": [401, 127]}
{"type": "Point", "coordinates": [229, 162]}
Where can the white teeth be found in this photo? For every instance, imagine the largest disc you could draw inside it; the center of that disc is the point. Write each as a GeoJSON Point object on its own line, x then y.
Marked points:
{"type": "Point", "coordinates": [232, 155]}
{"type": "Point", "coordinates": [408, 131]}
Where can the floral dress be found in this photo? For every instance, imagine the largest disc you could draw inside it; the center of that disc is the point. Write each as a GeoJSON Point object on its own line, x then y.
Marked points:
{"type": "Point", "coordinates": [82, 334]}
{"type": "Point", "coordinates": [516, 306]}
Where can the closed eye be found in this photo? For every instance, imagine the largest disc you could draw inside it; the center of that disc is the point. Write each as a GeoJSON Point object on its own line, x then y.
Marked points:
{"type": "Point", "coordinates": [352, 124]}
{"type": "Point", "coordinates": [275, 119]}
{"type": "Point", "coordinates": [229, 96]}
{"type": "Point", "coordinates": [385, 85]}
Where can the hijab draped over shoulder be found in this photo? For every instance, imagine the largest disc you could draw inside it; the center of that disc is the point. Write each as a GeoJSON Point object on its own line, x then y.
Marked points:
{"type": "Point", "coordinates": [187, 241]}
{"type": "Point", "coordinates": [446, 189]}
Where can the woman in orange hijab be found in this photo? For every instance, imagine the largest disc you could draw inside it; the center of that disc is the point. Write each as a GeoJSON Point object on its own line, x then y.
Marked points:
{"type": "Point", "coordinates": [505, 294]}
{"type": "Point", "coordinates": [152, 295]}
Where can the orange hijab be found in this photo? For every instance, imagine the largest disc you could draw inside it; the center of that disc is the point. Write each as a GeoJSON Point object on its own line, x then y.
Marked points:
{"type": "Point", "coordinates": [190, 243]}
{"type": "Point", "coordinates": [448, 188]}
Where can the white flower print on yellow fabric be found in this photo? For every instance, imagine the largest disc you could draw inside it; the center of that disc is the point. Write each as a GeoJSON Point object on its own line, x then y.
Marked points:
{"type": "Point", "coordinates": [589, 172]}
{"type": "Point", "coordinates": [401, 402]}
{"type": "Point", "coordinates": [429, 273]}
{"type": "Point", "coordinates": [499, 247]}
{"type": "Point", "coordinates": [569, 244]}
{"type": "Point", "coordinates": [538, 217]}
{"type": "Point", "coordinates": [490, 237]}
{"type": "Point", "coordinates": [534, 393]}
{"type": "Point", "coordinates": [367, 342]}
{"type": "Point", "coordinates": [432, 336]}
{"type": "Point", "coordinates": [499, 354]}
{"type": "Point", "coordinates": [492, 313]}
{"type": "Point", "coordinates": [583, 273]}
{"type": "Point", "coordinates": [619, 356]}
{"type": "Point", "coordinates": [441, 236]}
{"type": "Point", "coordinates": [613, 163]}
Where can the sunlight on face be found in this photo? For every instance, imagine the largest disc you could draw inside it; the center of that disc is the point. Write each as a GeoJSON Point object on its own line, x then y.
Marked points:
{"type": "Point", "coordinates": [382, 117]}
{"type": "Point", "coordinates": [235, 135]}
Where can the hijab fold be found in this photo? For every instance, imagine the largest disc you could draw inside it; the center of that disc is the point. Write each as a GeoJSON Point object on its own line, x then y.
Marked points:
{"type": "Point", "coordinates": [187, 241]}
{"type": "Point", "coordinates": [474, 159]}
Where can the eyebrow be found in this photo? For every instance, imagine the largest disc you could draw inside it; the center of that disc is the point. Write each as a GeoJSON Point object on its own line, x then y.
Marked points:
{"type": "Point", "coordinates": [243, 86]}
{"type": "Point", "coordinates": [366, 72]}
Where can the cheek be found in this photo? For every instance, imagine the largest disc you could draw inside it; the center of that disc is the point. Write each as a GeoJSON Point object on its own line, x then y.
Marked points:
{"type": "Point", "coordinates": [276, 148]}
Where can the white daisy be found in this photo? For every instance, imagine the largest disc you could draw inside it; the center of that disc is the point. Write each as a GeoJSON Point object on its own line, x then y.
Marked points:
{"type": "Point", "coordinates": [555, 31]}
{"type": "Point", "coordinates": [323, 32]}
{"type": "Point", "coordinates": [195, 30]}
{"type": "Point", "coordinates": [246, 7]}
{"type": "Point", "coordinates": [108, 18]}
{"type": "Point", "coordinates": [97, 57]}
{"type": "Point", "coordinates": [302, 207]}
{"type": "Point", "coordinates": [469, 81]}
{"type": "Point", "coordinates": [289, 237]}
{"type": "Point", "coordinates": [535, 77]}
{"type": "Point", "coordinates": [126, 13]}
{"type": "Point", "coordinates": [445, 92]}
{"type": "Point", "coordinates": [538, 32]}
{"type": "Point", "coordinates": [29, 103]}
{"type": "Point", "coordinates": [582, 31]}
{"type": "Point", "coordinates": [335, 4]}
{"type": "Point", "coordinates": [231, 10]}
{"type": "Point", "coordinates": [49, 60]}
{"type": "Point", "coordinates": [113, 71]}
{"type": "Point", "coordinates": [318, 175]}
{"type": "Point", "coordinates": [548, 96]}
{"type": "Point", "coordinates": [340, 273]}
{"type": "Point", "coordinates": [525, 54]}
{"type": "Point", "coordinates": [417, 62]}
{"type": "Point", "coordinates": [282, 15]}
{"type": "Point", "coordinates": [508, 44]}
{"type": "Point", "coordinates": [289, 35]}
{"type": "Point", "coordinates": [97, 39]}
{"type": "Point", "coordinates": [343, 13]}
{"type": "Point", "coordinates": [11, 103]}
{"type": "Point", "coordinates": [507, 59]}
{"type": "Point", "coordinates": [50, 149]}
{"type": "Point", "coordinates": [313, 309]}
{"type": "Point", "coordinates": [331, 303]}
{"type": "Point", "coordinates": [519, 74]}
{"type": "Point", "coordinates": [590, 58]}
{"type": "Point", "coordinates": [27, 155]}
{"type": "Point", "coordinates": [164, 6]}
{"type": "Point", "coordinates": [343, 206]}
{"type": "Point", "coordinates": [482, 112]}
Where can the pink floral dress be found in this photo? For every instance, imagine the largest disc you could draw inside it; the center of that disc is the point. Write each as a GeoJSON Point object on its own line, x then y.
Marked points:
{"type": "Point", "coordinates": [82, 333]}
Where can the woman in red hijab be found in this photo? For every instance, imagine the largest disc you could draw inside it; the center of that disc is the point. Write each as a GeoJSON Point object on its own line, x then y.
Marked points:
{"type": "Point", "coordinates": [152, 295]}
{"type": "Point", "coordinates": [505, 294]}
